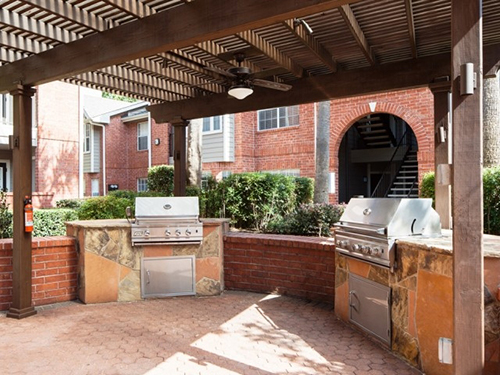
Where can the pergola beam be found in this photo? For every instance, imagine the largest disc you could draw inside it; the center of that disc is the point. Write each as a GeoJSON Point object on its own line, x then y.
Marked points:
{"type": "Point", "coordinates": [381, 78]}
{"type": "Point", "coordinates": [311, 44]}
{"type": "Point", "coordinates": [411, 27]}
{"type": "Point", "coordinates": [168, 30]}
{"type": "Point", "coordinates": [351, 22]}
{"type": "Point", "coordinates": [272, 52]}
{"type": "Point", "coordinates": [69, 12]}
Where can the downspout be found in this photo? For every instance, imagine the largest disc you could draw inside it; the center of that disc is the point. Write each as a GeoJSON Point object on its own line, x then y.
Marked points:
{"type": "Point", "coordinates": [103, 157]}
{"type": "Point", "coordinates": [150, 145]}
{"type": "Point", "coordinates": [81, 185]}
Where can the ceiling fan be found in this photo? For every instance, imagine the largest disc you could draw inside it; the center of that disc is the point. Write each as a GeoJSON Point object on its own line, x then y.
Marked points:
{"type": "Point", "coordinates": [241, 79]}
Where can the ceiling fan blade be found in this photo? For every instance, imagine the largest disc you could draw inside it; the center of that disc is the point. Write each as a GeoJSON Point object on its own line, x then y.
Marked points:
{"type": "Point", "coordinates": [271, 85]}
{"type": "Point", "coordinates": [270, 72]}
{"type": "Point", "coordinates": [219, 71]}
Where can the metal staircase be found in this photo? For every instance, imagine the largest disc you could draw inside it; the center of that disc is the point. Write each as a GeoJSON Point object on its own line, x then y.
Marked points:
{"type": "Point", "coordinates": [405, 183]}
{"type": "Point", "coordinates": [375, 132]}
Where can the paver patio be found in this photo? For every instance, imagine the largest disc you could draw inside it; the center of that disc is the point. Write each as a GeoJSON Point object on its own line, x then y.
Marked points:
{"type": "Point", "coordinates": [236, 333]}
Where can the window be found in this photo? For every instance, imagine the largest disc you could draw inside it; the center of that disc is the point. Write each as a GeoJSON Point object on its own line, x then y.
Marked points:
{"type": "Point", "coordinates": [278, 117]}
{"type": "Point", "coordinates": [142, 136]}
{"type": "Point", "coordinates": [94, 185]}
{"type": "Point", "coordinates": [212, 124]}
{"type": "Point", "coordinates": [205, 177]}
{"type": "Point", "coordinates": [6, 109]}
{"type": "Point", "coordinates": [86, 142]}
{"type": "Point", "coordinates": [142, 184]}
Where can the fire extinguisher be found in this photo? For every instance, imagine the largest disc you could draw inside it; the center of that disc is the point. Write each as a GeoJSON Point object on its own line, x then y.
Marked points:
{"type": "Point", "coordinates": [28, 215]}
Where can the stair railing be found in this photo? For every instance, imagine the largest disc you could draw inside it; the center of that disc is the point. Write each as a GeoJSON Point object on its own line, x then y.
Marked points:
{"type": "Point", "coordinates": [388, 166]}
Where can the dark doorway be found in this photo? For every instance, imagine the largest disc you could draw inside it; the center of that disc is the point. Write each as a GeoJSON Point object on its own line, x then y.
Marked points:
{"type": "Point", "coordinates": [378, 158]}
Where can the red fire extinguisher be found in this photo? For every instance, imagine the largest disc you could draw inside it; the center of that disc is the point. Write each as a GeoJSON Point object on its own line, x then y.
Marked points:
{"type": "Point", "coordinates": [28, 215]}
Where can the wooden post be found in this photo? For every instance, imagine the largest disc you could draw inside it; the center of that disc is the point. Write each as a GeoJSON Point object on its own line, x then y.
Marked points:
{"type": "Point", "coordinates": [442, 151]}
{"type": "Point", "coordinates": [468, 322]}
{"type": "Point", "coordinates": [21, 165]}
{"type": "Point", "coordinates": [180, 175]}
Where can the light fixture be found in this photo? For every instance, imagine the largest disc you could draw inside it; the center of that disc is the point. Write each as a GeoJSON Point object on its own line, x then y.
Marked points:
{"type": "Point", "coordinates": [240, 91]}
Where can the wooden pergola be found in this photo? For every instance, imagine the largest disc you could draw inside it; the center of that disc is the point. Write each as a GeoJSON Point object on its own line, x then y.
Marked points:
{"type": "Point", "coordinates": [169, 52]}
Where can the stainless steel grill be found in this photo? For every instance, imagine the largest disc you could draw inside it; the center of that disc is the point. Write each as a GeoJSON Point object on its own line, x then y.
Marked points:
{"type": "Point", "coordinates": [369, 227]}
{"type": "Point", "coordinates": [172, 220]}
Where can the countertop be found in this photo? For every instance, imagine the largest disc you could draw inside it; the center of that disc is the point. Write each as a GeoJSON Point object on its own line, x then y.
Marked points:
{"type": "Point", "coordinates": [443, 244]}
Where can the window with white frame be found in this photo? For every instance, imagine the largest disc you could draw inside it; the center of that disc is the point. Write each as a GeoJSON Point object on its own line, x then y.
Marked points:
{"type": "Point", "coordinates": [278, 117]}
{"type": "Point", "coordinates": [212, 124]}
{"type": "Point", "coordinates": [142, 184]}
{"type": "Point", "coordinates": [86, 142]}
{"type": "Point", "coordinates": [94, 185]}
{"type": "Point", "coordinates": [6, 109]}
{"type": "Point", "coordinates": [142, 136]}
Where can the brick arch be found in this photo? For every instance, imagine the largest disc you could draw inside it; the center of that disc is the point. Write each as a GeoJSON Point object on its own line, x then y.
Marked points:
{"type": "Point", "coordinates": [421, 124]}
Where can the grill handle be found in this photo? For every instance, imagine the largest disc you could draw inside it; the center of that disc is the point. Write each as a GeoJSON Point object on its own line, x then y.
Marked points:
{"type": "Point", "coordinates": [352, 293]}
{"type": "Point", "coordinates": [362, 229]}
{"type": "Point", "coordinates": [148, 281]}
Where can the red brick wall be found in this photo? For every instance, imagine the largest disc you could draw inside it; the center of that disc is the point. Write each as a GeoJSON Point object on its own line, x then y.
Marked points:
{"type": "Point", "coordinates": [58, 119]}
{"type": "Point", "coordinates": [54, 271]}
{"type": "Point", "coordinates": [125, 164]}
{"type": "Point", "coordinates": [293, 147]}
{"type": "Point", "coordinates": [290, 265]}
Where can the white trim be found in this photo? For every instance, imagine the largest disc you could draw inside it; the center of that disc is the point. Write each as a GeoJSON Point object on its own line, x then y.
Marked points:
{"type": "Point", "coordinates": [89, 124]}
{"type": "Point", "coordinates": [149, 140]}
{"type": "Point", "coordinates": [81, 132]}
{"type": "Point", "coordinates": [104, 192]}
{"type": "Point", "coordinates": [226, 138]}
{"type": "Point", "coordinates": [7, 175]}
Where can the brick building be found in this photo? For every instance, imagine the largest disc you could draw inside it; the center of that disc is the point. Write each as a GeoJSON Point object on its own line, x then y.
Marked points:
{"type": "Point", "coordinates": [77, 132]}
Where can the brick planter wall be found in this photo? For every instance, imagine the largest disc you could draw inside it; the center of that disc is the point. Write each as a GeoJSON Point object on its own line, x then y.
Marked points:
{"type": "Point", "coordinates": [290, 265]}
{"type": "Point", "coordinates": [54, 271]}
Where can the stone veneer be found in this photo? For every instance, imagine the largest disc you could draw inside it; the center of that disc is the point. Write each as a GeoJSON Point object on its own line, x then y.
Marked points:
{"type": "Point", "coordinates": [109, 266]}
{"type": "Point", "coordinates": [422, 299]}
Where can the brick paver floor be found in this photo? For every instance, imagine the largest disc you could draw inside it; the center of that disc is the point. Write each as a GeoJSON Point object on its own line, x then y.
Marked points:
{"type": "Point", "coordinates": [236, 333]}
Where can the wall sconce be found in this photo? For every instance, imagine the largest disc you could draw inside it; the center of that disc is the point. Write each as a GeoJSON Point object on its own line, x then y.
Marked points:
{"type": "Point", "coordinates": [157, 141]}
{"type": "Point", "coordinates": [467, 79]}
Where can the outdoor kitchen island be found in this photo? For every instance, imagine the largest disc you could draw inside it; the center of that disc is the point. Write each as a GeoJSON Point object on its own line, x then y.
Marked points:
{"type": "Point", "coordinates": [109, 267]}
{"type": "Point", "coordinates": [421, 302]}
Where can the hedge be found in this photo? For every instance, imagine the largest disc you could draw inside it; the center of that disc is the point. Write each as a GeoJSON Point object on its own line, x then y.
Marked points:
{"type": "Point", "coordinates": [491, 197]}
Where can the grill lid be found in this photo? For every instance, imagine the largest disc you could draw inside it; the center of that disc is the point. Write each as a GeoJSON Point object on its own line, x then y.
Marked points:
{"type": "Point", "coordinates": [392, 216]}
{"type": "Point", "coordinates": [166, 207]}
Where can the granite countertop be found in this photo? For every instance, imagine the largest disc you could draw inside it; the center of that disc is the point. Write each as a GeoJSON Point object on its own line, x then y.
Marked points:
{"type": "Point", "coordinates": [443, 244]}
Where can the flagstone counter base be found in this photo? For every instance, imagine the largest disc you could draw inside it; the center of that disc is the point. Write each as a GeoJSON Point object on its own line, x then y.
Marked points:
{"type": "Point", "coordinates": [422, 299]}
{"type": "Point", "coordinates": [109, 267]}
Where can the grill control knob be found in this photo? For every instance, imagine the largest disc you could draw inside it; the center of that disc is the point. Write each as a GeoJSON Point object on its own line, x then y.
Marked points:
{"type": "Point", "coordinates": [376, 252]}
{"type": "Point", "coordinates": [343, 243]}
{"type": "Point", "coordinates": [188, 232]}
{"type": "Point", "coordinates": [167, 233]}
{"type": "Point", "coordinates": [147, 233]}
{"type": "Point", "coordinates": [367, 250]}
{"type": "Point", "coordinates": [177, 232]}
{"type": "Point", "coordinates": [357, 247]}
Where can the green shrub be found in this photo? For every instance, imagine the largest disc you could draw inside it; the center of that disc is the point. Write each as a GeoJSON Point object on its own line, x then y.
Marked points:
{"type": "Point", "coordinates": [304, 190]}
{"type": "Point", "coordinates": [491, 197]}
{"type": "Point", "coordinates": [308, 220]}
{"type": "Point", "coordinates": [108, 207]}
{"type": "Point", "coordinates": [51, 222]}
{"type": "Point", "coordinates": [251, 200]}
{"type": "Point", "coordinates": [491, 194]}
{"type": "Point", "coordinates": [69, 203]}
{"type": "Point", "coordinates": [427, 187]}
{"type": "Point", "coordinates": [5, 217]}
{"type": "Point", "coordinates": [211, 199]}
{"type": "Point", "coordinates": [161, 179]}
